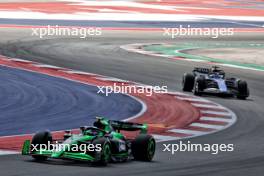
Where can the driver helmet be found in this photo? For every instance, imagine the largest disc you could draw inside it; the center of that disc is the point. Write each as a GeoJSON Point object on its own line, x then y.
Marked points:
{"type": "Point", "coordinates": [215, 69]}
{"type": "Point", "coordinates": [102, 124]}
{"type": "Point", "coordinates": [98, 123]}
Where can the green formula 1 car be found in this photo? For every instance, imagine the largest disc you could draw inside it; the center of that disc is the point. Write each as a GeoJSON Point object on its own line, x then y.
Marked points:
{"type": "Point", "coordinates": [99, 144]}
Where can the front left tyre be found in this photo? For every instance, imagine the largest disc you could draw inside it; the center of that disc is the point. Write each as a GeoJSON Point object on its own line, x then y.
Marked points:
{"type": "Point", "coordinates": [199, 86]}
{"type": "Point", "coordinates": [105, 153]}
{"type": "Point", "coordinates": [187, 82]}
{"type": "Point", "coordinates": [242, 89]}
{"type": "Point", "coordinates": [39, 138]}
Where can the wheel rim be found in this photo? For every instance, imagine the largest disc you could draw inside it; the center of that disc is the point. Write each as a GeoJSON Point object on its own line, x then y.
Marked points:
{"type": "Point", "coordinates": [151, 149]}
{"type": "Point", "coordinates": [106, 153]}
{"type": "Point", "coordinates": [196, 87]}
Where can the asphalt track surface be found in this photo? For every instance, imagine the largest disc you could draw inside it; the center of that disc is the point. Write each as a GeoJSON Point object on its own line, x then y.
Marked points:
{"type": "Point", "coordinates": [103, 56]}
{"type": "Point", "coordinates": [31, 102]}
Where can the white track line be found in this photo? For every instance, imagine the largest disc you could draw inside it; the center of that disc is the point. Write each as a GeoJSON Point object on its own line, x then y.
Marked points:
{"type": "Point", "coordinates": [20, 60]}
{"type": "Point", "coordinates": [161, 138]}
{"type": "Point", "coordinates": [193, 99]}
{"type": "Point", "coordinates": [216, 119]}
{"type": "Point", "coordinates": [185, 131]}
{"type": "Point", "coordinates": [216, 113]}
{"type": "Point", "coordinates": [112, 79]}
{"type": "Point", "coordinates": [207, 106]}
{"type": "Point", "coordinates": [79, 72]}
{"type": "Point", "coordinates": [202, 125]}
{"type": "Point", "coordinates": [7, 152]}
{"type": "Point", "coordinates": [47, 66]}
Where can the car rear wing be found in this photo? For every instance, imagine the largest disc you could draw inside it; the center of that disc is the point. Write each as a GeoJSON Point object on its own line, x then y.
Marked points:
{"type": "Point", "coordinates": [128, 126]}
{"type": "Point", "coordinates": [201, 70]}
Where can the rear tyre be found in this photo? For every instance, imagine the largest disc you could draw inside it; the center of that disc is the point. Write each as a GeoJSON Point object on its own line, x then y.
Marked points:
{"type": "Point", "coordinates": [187, 82]}
{"type": "Point", "coordinates": [143, 147]}
{"type": "Point", "coordinates": [105, 153]}
{"type": "Point", "coordinates": [243, 91]}
{"type": "Point", "coordinates": [43, 137]}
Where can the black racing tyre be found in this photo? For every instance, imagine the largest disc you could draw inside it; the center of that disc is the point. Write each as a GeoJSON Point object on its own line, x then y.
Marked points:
{"type": "Point", "coordinates": [105, 153]}
{"type": "Point", "coordinates": [43, 137]}
{"type": "Point", "coordinates": [187, 82]}
{"type": "Point", "coordinates": [199, 86]}
{"type": "Point", "coordinates": [243, 91]}
{"type": "Point", "coordinates": [143, 147]}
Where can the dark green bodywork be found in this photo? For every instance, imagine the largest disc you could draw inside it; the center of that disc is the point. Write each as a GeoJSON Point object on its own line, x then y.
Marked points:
{"type": "Point", "coordinates": [110, 128]}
